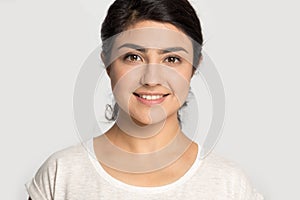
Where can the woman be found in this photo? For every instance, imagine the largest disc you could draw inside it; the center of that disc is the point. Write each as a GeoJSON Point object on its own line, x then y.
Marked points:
{"type": "Point", "coordinates": [151, 49]}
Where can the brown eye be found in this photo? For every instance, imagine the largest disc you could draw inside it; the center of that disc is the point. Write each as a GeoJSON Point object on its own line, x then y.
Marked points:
{"type": "Point", "coordinates": [133, 58]}
{"type": "Point", "coordinates": [172, 59]}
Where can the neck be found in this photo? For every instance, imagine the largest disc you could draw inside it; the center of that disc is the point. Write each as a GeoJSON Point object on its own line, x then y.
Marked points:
{"type": "Point", "coordinates": [149, 138]}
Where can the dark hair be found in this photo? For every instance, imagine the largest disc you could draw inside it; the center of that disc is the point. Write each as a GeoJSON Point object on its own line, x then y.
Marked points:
{"type": "Point", "coordinates": [123, 13]}
{"type": "Point", "coordinates": [180, 13]}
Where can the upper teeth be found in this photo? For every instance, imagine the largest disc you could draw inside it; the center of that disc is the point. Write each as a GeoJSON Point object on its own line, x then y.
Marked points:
{"type": "Point", "coordinates": [151, 97]}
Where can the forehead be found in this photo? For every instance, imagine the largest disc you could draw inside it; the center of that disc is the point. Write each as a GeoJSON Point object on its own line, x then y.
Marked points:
{"type": "Point", "coordinates": [153, 24]}
{"type": "Point", "coordinates": [150, 34]}
{"type": "Point", "coordinates": [153, 38]}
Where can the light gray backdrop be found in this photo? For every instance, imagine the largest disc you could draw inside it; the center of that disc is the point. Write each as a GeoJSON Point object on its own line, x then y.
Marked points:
{"type": "Point", "coordinates": [254, 44]}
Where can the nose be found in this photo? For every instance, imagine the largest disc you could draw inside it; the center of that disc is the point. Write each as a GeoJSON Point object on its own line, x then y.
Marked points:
{"type": "Point", "coordinates": [152, 75]}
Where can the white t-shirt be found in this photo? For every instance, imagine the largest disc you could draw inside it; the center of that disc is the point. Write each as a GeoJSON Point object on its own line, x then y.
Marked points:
{"type": "Point", "coordinates": [74, 174]}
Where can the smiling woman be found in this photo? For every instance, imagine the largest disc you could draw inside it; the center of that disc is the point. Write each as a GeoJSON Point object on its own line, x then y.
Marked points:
{"type": "Point", "coordinates": [151, 49]}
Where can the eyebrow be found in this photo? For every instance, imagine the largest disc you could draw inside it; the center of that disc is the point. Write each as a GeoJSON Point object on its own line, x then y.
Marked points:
{"type": "Point", "coordinates": [143, 49]}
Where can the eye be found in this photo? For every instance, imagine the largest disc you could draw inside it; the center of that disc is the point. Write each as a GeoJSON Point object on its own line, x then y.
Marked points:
{"type": "Point", "coordinates": [132, 58]}
{"type": "Point", "coordinates": [172, 59]}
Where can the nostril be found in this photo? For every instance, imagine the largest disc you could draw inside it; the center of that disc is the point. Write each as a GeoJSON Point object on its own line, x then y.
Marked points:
{"type": "Point", "coordinates": [151, 84]}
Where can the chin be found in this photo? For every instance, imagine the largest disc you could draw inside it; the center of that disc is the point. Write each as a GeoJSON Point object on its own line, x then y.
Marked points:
{"type": "Point", "coordinates": [144, 121]}
{"type": "Point", "coordinates": [141, 121]}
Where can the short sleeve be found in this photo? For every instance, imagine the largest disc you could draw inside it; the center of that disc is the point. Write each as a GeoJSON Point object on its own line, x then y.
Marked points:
{"type": "Point", "coordinates": [42, 185]}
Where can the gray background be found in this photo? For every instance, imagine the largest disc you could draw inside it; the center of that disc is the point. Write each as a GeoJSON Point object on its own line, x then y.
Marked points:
{"type": "Point", "coordinates": [254, 44]}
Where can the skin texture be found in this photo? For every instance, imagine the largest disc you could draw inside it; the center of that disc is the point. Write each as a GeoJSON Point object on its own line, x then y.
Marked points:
{"type": "Point", "coordinates": [166, 75]}
{"type": "Point", "coordinates": [139, 112]}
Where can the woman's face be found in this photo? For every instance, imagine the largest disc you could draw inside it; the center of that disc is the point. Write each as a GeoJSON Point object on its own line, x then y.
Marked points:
{"type": "Point", "coordinates": [150, 71]}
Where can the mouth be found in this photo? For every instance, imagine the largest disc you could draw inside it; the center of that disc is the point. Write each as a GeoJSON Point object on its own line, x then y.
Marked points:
{"type": "Point", "coordinates": [150, 96]}
{"type": "Point", "coordinates": [151, 99]}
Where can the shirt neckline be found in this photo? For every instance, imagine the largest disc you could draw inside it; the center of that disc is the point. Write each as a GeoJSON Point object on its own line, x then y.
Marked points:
{"type": "Point", "coordinates": [153, 189]}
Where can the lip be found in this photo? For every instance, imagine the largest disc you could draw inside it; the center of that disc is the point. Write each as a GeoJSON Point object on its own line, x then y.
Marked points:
{"type": "Point", "coordinates": [150, 102]}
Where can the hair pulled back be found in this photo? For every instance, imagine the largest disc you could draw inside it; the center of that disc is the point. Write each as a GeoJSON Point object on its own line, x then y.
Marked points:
{"type": "Point", "coordinates": [123, 13]}
{"type": "Point", "coordinates": [180, 13]}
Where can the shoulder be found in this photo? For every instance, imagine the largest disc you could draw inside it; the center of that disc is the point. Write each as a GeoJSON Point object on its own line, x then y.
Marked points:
{"type": "Point", "coordinates": [65, 157]}
{"type": "Point", "coordinates": [227, 176]}
{"type": "Point", "coordinates": [219, 163]}
{"type": "Point", "coordinates": [58, 169]}
{"type": "Point", "coordinates": [68, 154]}
{"type": "Point", "coordinates": [73, 159]}
{"type": "Point", "coordinates": [217, 168]}
{"type": "Point", "coordinates": [74, 150]}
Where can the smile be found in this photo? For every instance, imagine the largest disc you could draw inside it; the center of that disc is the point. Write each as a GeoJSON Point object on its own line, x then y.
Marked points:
{"type": "Point", "coordinates": [151, 99]}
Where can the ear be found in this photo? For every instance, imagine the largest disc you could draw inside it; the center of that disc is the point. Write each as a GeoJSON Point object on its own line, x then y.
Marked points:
{"type": "Point", "coordinates": [104, 61]}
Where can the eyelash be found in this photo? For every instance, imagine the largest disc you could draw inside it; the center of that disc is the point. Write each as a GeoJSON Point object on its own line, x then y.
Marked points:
{"type": "Point", "coordinates": [131, 57]}
{"type": "Point", "coordinates": [176, 58]}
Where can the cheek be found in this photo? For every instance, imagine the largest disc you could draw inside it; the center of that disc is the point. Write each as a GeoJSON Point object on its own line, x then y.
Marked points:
{"type": "Point", "coordinates": [181, 83]}
{"type": "Point", "coordinates": [187, 72]}
{"type": "Point", "coordinates": [124, 83]}
{"type": "Point", "coordinates": [116, 73]}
